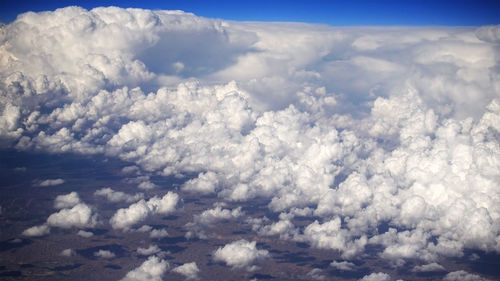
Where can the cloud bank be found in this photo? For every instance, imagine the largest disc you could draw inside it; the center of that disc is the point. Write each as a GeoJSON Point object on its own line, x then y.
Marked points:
{"type": "Point", "coordinates": [361, 127]}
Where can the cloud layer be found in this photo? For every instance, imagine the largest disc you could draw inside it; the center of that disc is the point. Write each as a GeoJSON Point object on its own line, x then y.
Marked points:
{"type": "Point", "coordinates": [359, 127]}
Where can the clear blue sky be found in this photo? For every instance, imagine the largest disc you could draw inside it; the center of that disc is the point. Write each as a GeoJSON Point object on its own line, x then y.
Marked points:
{"type": "Point", "coordinates": [347, 12]}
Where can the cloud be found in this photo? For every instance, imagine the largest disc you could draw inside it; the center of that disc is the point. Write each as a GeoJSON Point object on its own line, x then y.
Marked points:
{"type": "Point", "coordinates": [137, 212]}
{"type": "Point", "coordinates": [158, 233]}
{"type": "Point", "coordinates": [240, 254]}
{"type": "Point", "coordinates": [431, 267]}
{"type": "Point", "coordinates": [151, 250]}
{"type": "Point", "coordinates": [36, 231]}
{"type": "Point", "coordinates": [67, 201]}
{"type": "Point", "coordinates": [152, 269]}
{"type": "Point", "coordinates": [79, 216]}
{"type": "Point", "coordinates": [105, 254]}
{"type": "Point", "coordinates": [68, 252]}
{"type": "Point", "coordinates": [379, 276]}
{"type": "Point", "coordinates": [189, 270]}
{"type": "Point", "coordinates": [343, 265]}
{"type": "Point", "coordinates": [50, 182]}
{"type": "Point", "coordinates": [209, 218]}
{"type": "Point", "coordinates": [118, 196]}
{"type": "Point", "coordinates": [85, 234]}
{"type": "Point", "coordinates": [359, 127]}
{"type": "Point", "coordinates": [315, 274]}
{"type": "Point", "coordinates": [463, 276]}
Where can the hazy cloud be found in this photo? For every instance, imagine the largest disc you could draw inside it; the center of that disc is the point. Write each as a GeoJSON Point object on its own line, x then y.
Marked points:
{"type": "Point", "coordinates": [118, 196]}
{"type": "Point", "coordinates": [50, 182]}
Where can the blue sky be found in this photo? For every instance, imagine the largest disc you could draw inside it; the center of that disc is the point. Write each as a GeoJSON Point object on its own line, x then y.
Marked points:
{"type": "Point", "coordinates": [356, 12]}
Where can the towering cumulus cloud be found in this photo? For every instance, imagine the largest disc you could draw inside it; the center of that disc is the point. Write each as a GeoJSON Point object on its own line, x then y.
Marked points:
{"type": "Point", "coordinates": [387, 136]}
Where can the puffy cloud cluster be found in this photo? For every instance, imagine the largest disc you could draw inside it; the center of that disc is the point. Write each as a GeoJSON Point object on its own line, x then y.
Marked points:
{"type": "Point", "coordinates": [72, 214]}
{"type": "Point", "coordinates": [79, 216]}
{"type": "Point", "coordinates": [152, 269]}
{"type": "Point", "coordinates": [210, 218]}
{"type": "Point", "coordinates": [67, 201]}
{"type": "Point", "coordinates": [359, 127]}
{"type": "Point", "coordinates": [378, 276]}
{"type": "Point", "coordinates": [118, 196]}
{"type": "Point", "coordinates": [463, 276]}
{"type": "Point", "coordinates": [105, 254]}
{"type": "Point", "coordinates": [240, 254]}
{"type": "Point", "coordinates": [189, 270]}
{"type": "Point", "coordinates": [151, 250]}
{"type": "Point", "coordinates": [343, 265]}
{"type": "Point", "coordinates": [37, 230]}
{"type": "Point", "coordinates": [127, 217]}
{"type": "Point", "coordinates": [68, 252]}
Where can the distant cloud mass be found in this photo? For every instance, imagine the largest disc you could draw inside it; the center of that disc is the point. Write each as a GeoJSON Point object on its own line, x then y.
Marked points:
{"type": "Point", "coordinates": [387, 136]}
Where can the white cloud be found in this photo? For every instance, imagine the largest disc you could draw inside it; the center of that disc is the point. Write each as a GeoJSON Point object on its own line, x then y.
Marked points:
{"type": "Point", "coordinates": [105, 254]}
{"type": "Point", "coordinates": [67, 201]}
{"type": "Point", "coordinates": [68, 252]}
{"type": "Point", "coordinates": [343, 265]}
{"type": "Point", "coordinates": [137, 212]}
{"type": "Point", "coordinates": [85, 234]}
{"type": "Point", "coordinates": [463, 276]}
{"type": "Point", "coordinates": [158, 233]}
{"type": "Point", "coordinates": [378, 276]}
{"type": "Point", "coordinates": [360, 127]}
{"type": "Point", "coordinates": [189, 270]}
{"type": "Point", "coordinates": [118, 196]}
{"type": "Point", "coordinates": [151, 270]}
{"type": "Point", "coordinates": [79, 216]}
{"type": "Point", "coordinates": [151, 250]}
{"type": "Point", "coordinates": [50, 182]}
{"type": "Point", "coordinates": [240, 254]}
{"type": "Point", "coordinates": [36, 231]}
{"type": "Point", "coordinates": [428, 267]}
{"type": "Point", "coordinates": [316, 274]}
{"type": "Point", "coordinates": [208, 219]}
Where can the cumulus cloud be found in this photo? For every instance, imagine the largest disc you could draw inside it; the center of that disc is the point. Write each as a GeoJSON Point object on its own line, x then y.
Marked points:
{"type": "Point", "coordinates": [463, 276]}
{"type": "Point", "coordinates": [189, 270]}
{"type": "Point", "coordinates": [79, 216]}
{"type": "Point", "coordinates": [158, 233]}
{"type": "Point", "coordinates": [36, 231]}
{"type": "Point", "coordinates": [104, 254]}
{"type": "Point", "coordinates": [152, 269]}
{"type": "Point", "coordinates": [378, 276]}
{"type": "Point", "coordinates": [316, 274]}
{"type": "Point", "coordinates": [240, 254]}
{"type": "Point", "coordinates": [72, 213]}
{"type": "Point", "coordinates": [67, 201]}
{"type": "Point", "coordinates": [85, 234]}
{"type": "Point", "coordinates": [68, 252]}
{"type": "Point", "coordinates": [360, 127]}
{"type": "Point", "coordinates": [208, 219]}
{"type": "Point", "coordinates": [343, 265]}
{"type": "Point", "coordinates": [151, 250]}
{"type": "Point", "coordinates": [137, 212]}
{"type": "Point", "coordinates": [118, 196]}
{"type": "Point", "coordinates": [50, 182]}
{"type": "Point", "coordinates": [431, 267]}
